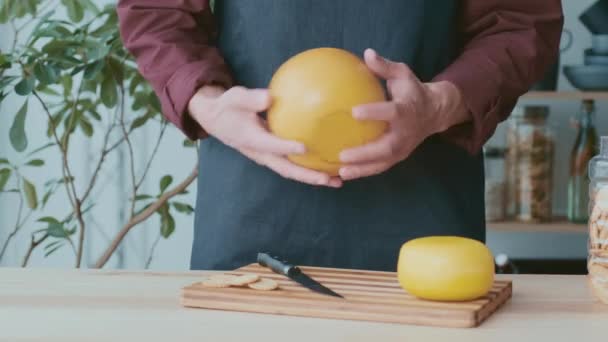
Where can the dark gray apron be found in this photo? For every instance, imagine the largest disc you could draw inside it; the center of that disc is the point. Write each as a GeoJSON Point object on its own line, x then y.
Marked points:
{"type": "Point", "coordinates": [243, 208]}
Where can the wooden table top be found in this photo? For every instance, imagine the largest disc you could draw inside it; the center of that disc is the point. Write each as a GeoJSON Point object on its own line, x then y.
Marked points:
{"type": "Point", "coordinates": [71, 305]}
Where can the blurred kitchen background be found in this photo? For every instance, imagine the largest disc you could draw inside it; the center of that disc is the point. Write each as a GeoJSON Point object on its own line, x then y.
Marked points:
{"type": "Point", "coordinates": [552, 246]}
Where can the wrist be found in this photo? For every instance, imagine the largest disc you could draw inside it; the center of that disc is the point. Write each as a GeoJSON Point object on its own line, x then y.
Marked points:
{"type": "Point", "coordinates": [448, 105]}
{"type": "Point", "coordinates": [205, 99]}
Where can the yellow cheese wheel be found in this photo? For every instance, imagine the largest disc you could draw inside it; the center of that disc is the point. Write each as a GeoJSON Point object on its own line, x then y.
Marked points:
{"type": "Point", "coordinates": [313, 96]}
{"type": "Point", "coordinates": [446, 268]}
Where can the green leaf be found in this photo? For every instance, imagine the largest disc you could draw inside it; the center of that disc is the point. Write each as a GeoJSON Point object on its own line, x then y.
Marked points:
{"type": "Point", "coordinates": [6, 81]}
{"type": "Point", "coordinates": [75, 9]}
{"type": "Point", "coordinates": [96, 50]}
{"type": "Point", "coordinates": [66, 82]}
{"type": "Point", "coordinates": [183, 207]}
{"type": "Point", "coordinates": [41, 148]}
{"type": "Point", "coordinates": [53, 250]}
{"type": "Point", "coordinates": [142, 197]}
{"type": "Point", "coordinates": [30, 194]}
{"type": "Point", "coordinates": [25, 86]}
{"type": "Point", "coordinates": [115, 68]}
{"type": "Point", "coordinates": [165, 182]}
{"type": "Point", "coordinates": [109, 93]}
{"type": "Point", "coordinates": [5, 175]}
{"type": "Point", "coordinates": [47, 91]}
{"type": "Point", "coordinates": [5, 62]}
{"type": "Point", "coordinates": [52, 244]}
{"type": "Point", "coordinates": [94, 114]}
{"type": "Point", "coordinates": [4, 161]}
{"type": "Point", "coordinates": [45, 73]}
{"type": "Point", "coordinates": [35, 162]}
{"type": "Point", "coordinates": [16, 134]}
{"type": "Point", "coordinates": [47, 196]}
{"type": "Point", "coordinates": [56, 230]}
{"type": "Point", "coordinates": [167, 223]}
{"type": "Point", "coordinates": [5, 11]}
{"type": "Point", "coordinates": [48, 219]}
{"type": "Point", "coordinates": [31, 6]}
{"type": "Point", "coordinates": [137, 80]}
{"type": "Point", "coordinates": [90, 6]}
{"type": "Point", "coordinates": [153, 102]}
{"type": "Point", "coordinates": [138, 122]}
{"type": "Point", "coordinates": [92, 69]}
{"type": "Point", "coordinates": [189, 143]}
{"type": "Point", "coordinates": [86, 126]}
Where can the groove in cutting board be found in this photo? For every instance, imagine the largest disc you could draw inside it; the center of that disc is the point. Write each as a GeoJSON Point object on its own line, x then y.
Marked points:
{"type": "Point", "coordinates": [369, 296]}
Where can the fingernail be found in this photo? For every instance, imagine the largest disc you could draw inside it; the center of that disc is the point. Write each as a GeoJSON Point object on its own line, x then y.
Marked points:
{"type": "Point", "coordinates": [356, 112]}
{"type": "Point", "coordinates": [345, 173]}
{"type": "Point", "coordinates": [299, 149]}
{"type": "Point", "coordinates": [343, 157]}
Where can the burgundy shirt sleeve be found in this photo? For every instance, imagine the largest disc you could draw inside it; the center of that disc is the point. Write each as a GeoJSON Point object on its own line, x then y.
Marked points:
{"type": "Point", "coordinates": [171, 42]}
{"type": "Point", "coordinates": [506, 46]}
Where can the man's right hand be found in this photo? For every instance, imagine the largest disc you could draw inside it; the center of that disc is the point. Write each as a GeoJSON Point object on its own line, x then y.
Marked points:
{"type": "Point", "coordinates": [232, 117]}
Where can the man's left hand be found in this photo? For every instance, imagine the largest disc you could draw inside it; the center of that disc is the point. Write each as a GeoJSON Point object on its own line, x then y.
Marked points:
{"type": "Point", "coordinates": [415, 111]}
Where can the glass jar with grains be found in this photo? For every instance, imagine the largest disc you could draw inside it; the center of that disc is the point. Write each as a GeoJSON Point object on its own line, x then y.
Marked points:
{"type": "Point", "coordinates": [597, 262]}
{"type": "Point", "coordinates": [530, 164]}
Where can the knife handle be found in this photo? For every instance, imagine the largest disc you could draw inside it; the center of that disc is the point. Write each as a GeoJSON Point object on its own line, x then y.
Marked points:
{"type": "Point", "coordinates": [276, 265]}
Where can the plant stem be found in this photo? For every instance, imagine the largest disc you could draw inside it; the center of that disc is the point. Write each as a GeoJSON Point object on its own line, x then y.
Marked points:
{"type": "Point", "coordinates": [17, 225]}
{"type": "Point", "coordinates": [69, 183]}
{"type": "Point", "coordinates": [130, 149]}
{"type": "Point", "coordinates": [152, 249]}
{"type": "Point", "coordinates": [80, 219]}
{"type": "Point", "coordinates": [65, 167]}
{"type": "Point", "coordinates": [33, 245]}
{"type": "Point", "coordinates": [104, 153]}
{"type": "Point", "coordinates": [144, 215]}
{"type": "Point", "coordinates": [154, 151]}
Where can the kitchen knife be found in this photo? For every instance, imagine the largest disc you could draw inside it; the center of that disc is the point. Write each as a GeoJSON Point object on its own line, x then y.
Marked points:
{"type": "Point", "coordinates": [294, 273]}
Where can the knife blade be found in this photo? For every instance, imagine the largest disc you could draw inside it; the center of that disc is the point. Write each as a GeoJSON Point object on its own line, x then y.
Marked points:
{"type": "Point", "coordinates": [294, 273]}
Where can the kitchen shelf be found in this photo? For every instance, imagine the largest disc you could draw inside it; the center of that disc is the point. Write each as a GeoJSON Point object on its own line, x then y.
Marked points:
{"type": "Point", "coordinates": [558, 225]}
{"type": "Point", "coordinates": [566, 95]}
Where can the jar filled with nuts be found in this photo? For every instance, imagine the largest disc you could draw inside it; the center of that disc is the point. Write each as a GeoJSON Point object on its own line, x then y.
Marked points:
{"type": "Point", "coordinates": [494, 183]}
{"type": "Point", "coordinates": [597, 263]}
{"type": "Point", "coordinates": [530, 164]}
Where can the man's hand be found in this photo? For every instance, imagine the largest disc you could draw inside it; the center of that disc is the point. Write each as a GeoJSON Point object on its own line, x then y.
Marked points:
{"type": "Point", "coordinates": [416, 110]}
{"type": "Point", "coordinates": [232, 117]}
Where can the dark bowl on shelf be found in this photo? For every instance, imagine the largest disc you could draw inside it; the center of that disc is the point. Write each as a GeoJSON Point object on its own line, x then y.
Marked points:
{"type": "Point", "coordinates": [593, 58]}
{"type": "Point", "coordinates": [595, 18]}
{"type": "Point", "coordinates": [587, 77]}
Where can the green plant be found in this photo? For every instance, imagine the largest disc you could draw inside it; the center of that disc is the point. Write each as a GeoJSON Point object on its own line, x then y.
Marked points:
{"type": "Point", "coordinates": [89, 88]}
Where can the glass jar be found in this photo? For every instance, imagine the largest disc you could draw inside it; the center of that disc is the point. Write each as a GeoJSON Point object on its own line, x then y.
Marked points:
{"type": "Point", "coordinates": [495, 185]}
{"type": "Point", "coordinates": [584, 148]}
{"type": "Point", "coordinates": [530, 164]}
{"type": "Point", "coordinates": [597, 263]}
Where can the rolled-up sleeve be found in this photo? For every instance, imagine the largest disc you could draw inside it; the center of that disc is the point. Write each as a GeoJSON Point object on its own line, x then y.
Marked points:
{"type": "Point", "coordinates": [172, 44]}
{"type": "Point", "coordinates": [505, 47]}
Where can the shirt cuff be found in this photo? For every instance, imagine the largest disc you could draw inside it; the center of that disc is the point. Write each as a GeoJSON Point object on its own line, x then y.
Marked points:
{"type": "Point", "coordinates": [482, 97]}
{"type": "Point", "coordinates": [180, 88]}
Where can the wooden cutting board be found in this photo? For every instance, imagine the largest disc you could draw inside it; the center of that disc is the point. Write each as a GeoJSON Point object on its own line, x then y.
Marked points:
{"type": "Point", "coordinates": [369, 296]}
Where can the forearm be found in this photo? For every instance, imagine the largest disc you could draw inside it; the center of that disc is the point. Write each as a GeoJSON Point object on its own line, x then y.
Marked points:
{"type": "Point", "coordinates": [174, 52]}
{"type": "Point", "coordinates": [450, 109]}
{"type": "Point", "coordinates": [506, 47]}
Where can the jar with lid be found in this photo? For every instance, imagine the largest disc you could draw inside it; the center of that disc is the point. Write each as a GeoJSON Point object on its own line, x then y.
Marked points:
{"type": "Point", "coordinates": [597, 263]}
{"type": "Point", "coordinates": [585, 147]}
{"type": "Point", "coordinates": [495, 184]}
{"type": "Point", "coordinates": [530, 164]}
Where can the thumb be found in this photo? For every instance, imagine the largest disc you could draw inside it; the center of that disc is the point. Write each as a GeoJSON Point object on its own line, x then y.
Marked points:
{"type": "Point", "coordinates": [385, 68]}
{"type": "Point", "coordinates": [255, 100]}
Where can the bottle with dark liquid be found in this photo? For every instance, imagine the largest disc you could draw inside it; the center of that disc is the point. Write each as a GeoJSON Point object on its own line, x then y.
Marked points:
{"type": "Point", "coordinates": [585, 147]}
